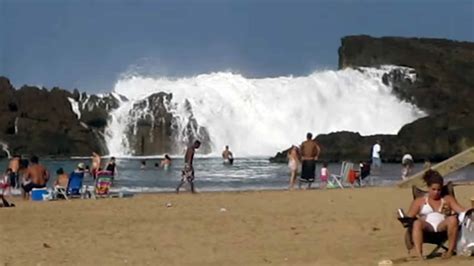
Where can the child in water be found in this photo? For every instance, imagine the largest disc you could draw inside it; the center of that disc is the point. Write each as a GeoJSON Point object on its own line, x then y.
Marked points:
{"type": "Point", "coordinates": [324, 176]}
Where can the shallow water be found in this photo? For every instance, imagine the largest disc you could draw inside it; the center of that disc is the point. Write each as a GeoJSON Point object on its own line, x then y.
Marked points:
{"type": "Point", "coordinates": [252, 173]}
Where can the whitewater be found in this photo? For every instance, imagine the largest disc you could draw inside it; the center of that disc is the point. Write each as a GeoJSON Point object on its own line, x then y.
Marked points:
{"type": "Point", "coordinates": [260, 116]}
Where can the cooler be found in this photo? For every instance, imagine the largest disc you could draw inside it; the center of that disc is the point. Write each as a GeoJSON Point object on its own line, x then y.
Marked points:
{"type": "Point", "coordinates": [37, 194]}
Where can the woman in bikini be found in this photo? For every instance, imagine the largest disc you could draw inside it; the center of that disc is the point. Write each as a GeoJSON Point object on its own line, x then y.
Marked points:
{"type": "Point", "coordinates": [434, 213]}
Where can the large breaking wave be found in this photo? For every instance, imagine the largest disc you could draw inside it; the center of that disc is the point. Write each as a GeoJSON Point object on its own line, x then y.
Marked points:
{"type": "Point", "coordinates": [259, 116]}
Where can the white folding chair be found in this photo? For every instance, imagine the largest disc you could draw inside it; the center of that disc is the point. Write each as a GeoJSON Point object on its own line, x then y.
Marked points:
{"type": "Point", "coordinates": [338, 180]}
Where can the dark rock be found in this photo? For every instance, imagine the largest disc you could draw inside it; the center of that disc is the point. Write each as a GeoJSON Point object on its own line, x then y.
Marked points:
{"type": "Point", "coordinates": [443, 88]}
{"type": "Point", "coordinates": [38, 121]}
{"type": "Point", "coordinates": [95, 110]}
{"type": "Point", "coordinates": [155, 130]}
{"type": "Point", "coordinates": [442, 66]}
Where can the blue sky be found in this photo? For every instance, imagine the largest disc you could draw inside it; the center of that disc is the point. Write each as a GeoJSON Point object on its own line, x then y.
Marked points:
{"type": "Point", "coordinates": [88, 44]}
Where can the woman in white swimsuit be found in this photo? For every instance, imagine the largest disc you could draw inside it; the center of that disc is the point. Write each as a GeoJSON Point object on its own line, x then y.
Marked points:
{"type": "Point", "coordinates": [434, 213]}
{"type": "Point", "coordinates": [293, 163]}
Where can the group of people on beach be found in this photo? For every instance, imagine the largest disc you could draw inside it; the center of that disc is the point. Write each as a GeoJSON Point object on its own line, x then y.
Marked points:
{"type": "Point", "coordinates": [306, 155]}
{"type": "Point", "coordinates": [27, 175]}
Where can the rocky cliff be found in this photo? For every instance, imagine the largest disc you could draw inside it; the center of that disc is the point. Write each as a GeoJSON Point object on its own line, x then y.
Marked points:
{"type": "Point", "coordinates": [444, 89]}
{"type": "Point", "coordinates": [42, 122]}
{"type": "Point", "coordinates": [445, 69]}
{"type": "Point", "coordinates": [60, 123]}
{"type": "Point", "coordinates": [155, 130]}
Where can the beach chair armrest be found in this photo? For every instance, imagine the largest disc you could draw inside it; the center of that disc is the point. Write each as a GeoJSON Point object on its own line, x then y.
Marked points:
{"type": "Point", "coordinates": [407, 221]}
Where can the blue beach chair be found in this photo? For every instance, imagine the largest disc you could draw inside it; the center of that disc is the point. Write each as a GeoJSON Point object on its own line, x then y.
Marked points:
{"type": "Point", "coordinates": [75, 183]}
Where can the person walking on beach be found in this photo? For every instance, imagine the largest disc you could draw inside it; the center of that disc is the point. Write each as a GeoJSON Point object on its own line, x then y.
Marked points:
{"type": "Point", "coordinates": [376, 160]}
{"type": "Point", "coordinates": [187, 175]}
{"type": "Point", "coordinates": [293, 163]}
{"type": "Point", "coordinates": [96, 160]}
{"type": "Point", "coordinates": [36, 176]}
{"type": "Point", "coordinates": [227, 156]}
{"type": "Point", "coordinates": [309, 154]}
{"type": "Point", "coordinates": [14, 165]}
{"type": "Point", "coordinates": [407, 165]}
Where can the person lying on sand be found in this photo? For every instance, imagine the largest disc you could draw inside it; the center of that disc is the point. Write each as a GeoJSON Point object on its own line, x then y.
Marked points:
{"type": "Point", "coordinates": [435, 214]}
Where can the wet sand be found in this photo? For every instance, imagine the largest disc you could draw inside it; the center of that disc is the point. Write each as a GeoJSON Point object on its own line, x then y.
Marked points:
{"type": "Point", "coordinates": [314, 227]}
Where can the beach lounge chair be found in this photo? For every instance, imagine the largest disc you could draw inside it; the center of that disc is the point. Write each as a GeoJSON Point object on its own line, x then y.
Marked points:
{"type": "Point", "coordinates": [75, 184]}
{"type": "Point", "coordinates": [337, 180]}
{"type": "Point", "coordinates": [436, 238]}
{"type": "Point", "coordinates": [103, 183]}
{"type": "Point", "coordinates": [60, 192]}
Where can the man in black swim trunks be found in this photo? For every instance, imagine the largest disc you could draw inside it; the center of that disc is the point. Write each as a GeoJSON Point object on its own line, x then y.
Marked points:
{"type": "Point", "coordinates": [36, 176]}
{"type": "Point", "coordinates": [309, 154]}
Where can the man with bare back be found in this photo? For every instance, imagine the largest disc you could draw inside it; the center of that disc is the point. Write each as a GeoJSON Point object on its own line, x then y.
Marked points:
{"type": "Point", "coordinates": [36, 176]}
{"type": "Point", "coordinates": [187, 175]}
{"type": "Point", "coordinates": [309, 154]}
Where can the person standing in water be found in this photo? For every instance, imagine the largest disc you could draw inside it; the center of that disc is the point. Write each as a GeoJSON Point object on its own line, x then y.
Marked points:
{"type": "Point", "coordinates": [407, 163]}
{"type": "Point", "coordinates": [293, 163]}
{"type": "Point", "coordinates": [376, 160]}
{"type": "Point", "coordinates": [227, 156]}
{"type": "Point", "coordinates": [166, 162]}
{"type": "Point", "coordinates": [112, 167]}
{"type": "Point", "coordinates": [187, 175]}
{"type": "Point", "coordinates": [96, 160]}
{"type": "Point", "coordinates": [309, 154]}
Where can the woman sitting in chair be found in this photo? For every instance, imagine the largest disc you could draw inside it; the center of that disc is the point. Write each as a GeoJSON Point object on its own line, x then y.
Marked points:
{"type": "Point", "coordinates": [434, 212]}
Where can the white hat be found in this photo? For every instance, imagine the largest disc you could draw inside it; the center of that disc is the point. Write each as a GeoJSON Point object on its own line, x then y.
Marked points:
{"type": "Point", "coordinates": [80, 165]}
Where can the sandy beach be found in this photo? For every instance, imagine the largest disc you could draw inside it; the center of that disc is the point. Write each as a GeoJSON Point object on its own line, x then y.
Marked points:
{"type": "Point", "coordinates": [314, 227]}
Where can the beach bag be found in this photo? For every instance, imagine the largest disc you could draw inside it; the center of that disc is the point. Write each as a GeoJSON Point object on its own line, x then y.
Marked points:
{"type": "Point", "coordinates": [465, 244]}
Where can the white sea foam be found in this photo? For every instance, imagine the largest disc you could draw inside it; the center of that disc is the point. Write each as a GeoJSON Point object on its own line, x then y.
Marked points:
{"type": "Point", "coordinates": [265, 115]}
{"type": "Point", "coordinates": [75, 107]}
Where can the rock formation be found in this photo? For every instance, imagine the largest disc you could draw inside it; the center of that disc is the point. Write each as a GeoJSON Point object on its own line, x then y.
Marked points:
{"type": "Point", "coordinates": [444, 89]}
{"type": "Point", "coordinates": [38, 121]}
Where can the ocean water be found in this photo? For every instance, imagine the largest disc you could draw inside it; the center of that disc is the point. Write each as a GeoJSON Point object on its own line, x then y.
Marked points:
{"type": "Point", "coordinates": [250, 173]}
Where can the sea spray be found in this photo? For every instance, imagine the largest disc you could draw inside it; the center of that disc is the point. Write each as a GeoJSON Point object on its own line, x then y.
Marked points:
{"type": "Point", "coordinates": [260, 116]}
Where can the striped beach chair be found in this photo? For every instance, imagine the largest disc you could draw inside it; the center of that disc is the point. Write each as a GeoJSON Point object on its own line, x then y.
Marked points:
{"type": "Point", "coordinates": [103, 183]}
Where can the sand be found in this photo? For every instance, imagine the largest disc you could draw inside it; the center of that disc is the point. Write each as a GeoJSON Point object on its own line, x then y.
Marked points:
{"type": "Point", "coordinates": [314, 227]}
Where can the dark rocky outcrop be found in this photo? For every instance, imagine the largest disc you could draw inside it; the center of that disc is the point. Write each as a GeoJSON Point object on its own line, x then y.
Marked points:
{"type": "Point", "coordinates": [154, 129]}
{"type": "Point", "coordinates": [95, 110]}
{"type": "Point", "coordinates": [60, 123]}
{"type": "Point", "coordinates": [38, 121]}
{"type": "Point", "coordinates": [444, 89]}
{"type": "Point", "coordinates": [445, 68]}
